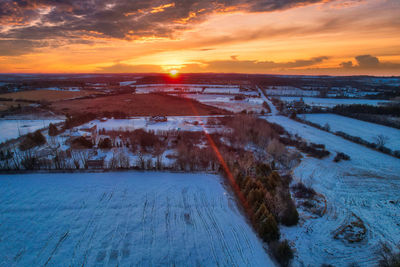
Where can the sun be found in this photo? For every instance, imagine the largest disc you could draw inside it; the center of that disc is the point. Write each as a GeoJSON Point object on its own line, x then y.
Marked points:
{"type": "Point", "coordinates": [173, 73]}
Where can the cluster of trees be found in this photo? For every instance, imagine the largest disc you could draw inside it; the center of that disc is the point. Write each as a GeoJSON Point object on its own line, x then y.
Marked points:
{"type": "Point", "coordinates": [341, 156]}
{"type": "Point", "coordinates": [78, 119]}
{"type": "Point", "coordinates": [378, 144]}
{"type": "Point", "coordinates": [268, 201]}
{"type": "Point", "coordinates": [374, 114]}
{"type": "Point", "coordinates": [393, 110]}
{"type": "Point", "coordinates": [311, 149]}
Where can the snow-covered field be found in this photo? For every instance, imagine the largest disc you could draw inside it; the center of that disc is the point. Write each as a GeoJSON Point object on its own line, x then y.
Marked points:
{"type": "Point", "coordinates": [289, 91]}
{"type": "Point", "coordinates": [367, 186]}
{"type": "Point", "coordinates": [210, 88]}
{"type": "Point", "coordinates": [10, 129]}
{"type": "Point", "coordinates": [178, 123]}
{"type": "Point", "coordinates": [331, 102]}
{"type": "Point", "coordinates": [123, 219]}
{"type": "Point", "coordinates": [366, 130]}
{"type": "Point", "coordinates": [228, 103]}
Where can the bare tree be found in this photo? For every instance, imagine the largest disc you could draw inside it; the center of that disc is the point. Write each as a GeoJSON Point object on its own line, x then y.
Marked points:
{"type": "Point", "coordinates": [381, 140]}
{"type": "Point", "coordinates": [76, 159]}
{"type": "Point", "coordinates": [84, 156]}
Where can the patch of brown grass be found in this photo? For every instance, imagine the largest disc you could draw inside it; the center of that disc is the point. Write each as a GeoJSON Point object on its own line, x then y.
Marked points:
{"type": "Point", "coordinates": [45, 95]}
{"type": "Point", "coordinates": [5, 105]}
{"type": "Point", "coordinates": [137, 105]}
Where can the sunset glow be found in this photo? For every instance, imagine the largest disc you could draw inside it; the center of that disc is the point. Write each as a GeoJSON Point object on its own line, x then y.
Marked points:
{"type": "Point", "coordinates": [270, 36]}
{"type": "Point", "coordinates": [173, 73]}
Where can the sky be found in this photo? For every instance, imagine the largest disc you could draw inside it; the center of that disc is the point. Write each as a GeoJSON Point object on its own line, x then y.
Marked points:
{"type": "Point", "coordinates": [313, 37]}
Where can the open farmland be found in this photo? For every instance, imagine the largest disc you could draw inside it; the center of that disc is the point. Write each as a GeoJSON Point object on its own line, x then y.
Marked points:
{"type": "Point", "coordinates": [228, 102]}
{"type": "Point", "coordinates": [46, 95]}
{"type": "Point", "coordinates": [331, 102]}
{"type": "Point", "coordinates": [5, 105]}
{"type": "Point", "coordinates": [122, 219]}
{"type": "Point", "coordinates": [365, 187]}
{"type": "Point", "coordinates": [365, 130]}
{"type": "Point", "coordinates": [137, 105]}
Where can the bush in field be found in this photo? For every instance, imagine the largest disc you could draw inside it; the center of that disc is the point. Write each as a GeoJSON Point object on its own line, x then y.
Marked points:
{"type": "Point", "coordinates": [288, 214]}
{"type": "Point", "coordinates": [341, 156]}
{"type": "Point", "coordinates": [32, 140]}
{"type": "Point", "coordinates": [82, 142]}
{"type": "Point", "coordinates": [282, 252]}
{"type": "Point", "coordinates": [303, 191]}
{"type": "Point", "coordinates": [105, 143]}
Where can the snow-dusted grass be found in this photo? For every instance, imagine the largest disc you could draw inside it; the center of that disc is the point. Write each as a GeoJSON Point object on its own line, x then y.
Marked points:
{"type": "Point", "coordinates": [366, 130]}
{"type": "Point", "coordinates": [123, 219]}
{"type": "Point", "coordinates": [331, 102]}
{"type": "Point", "coordinates": [10, 129]}
{"type": "Point", "coordinates": [368, 185]}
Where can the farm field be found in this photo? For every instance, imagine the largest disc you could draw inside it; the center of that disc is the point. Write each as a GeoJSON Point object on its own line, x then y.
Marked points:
{"type": "Point", "coordinates": [228, 103]}
{"type": "Point", "coordinates": [46, 95]}
{"type": "Point", "coordinates": [10, 129]}
{"type": "Point", "coordinates": [331, 102]}
{"type": "Point", "coordinates": [123, 218]}
{"type": "Point", "coordinates": [137, 105]}
{"type": "Point", "coordinates": [4, 105]}
{"type": "Point", "coordinates": [366, 187]}
{"type": "Point", "coordinates": [366, 130]}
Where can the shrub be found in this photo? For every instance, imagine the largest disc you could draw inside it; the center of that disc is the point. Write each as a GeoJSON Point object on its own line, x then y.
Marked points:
{"type": "Point", "coordinates": [282, 252]}
{"type": "Point", "coordinates": [341, 156]}
{"type": "Point", "coordinates": [105, 143]}
{"type": "Point", "coordinates": [82, 142]}
{"type": "Point", "coordinates": [303, 191]}
{"type": "Point", "coordinates": [32, 140]}
{"type": "Point", "coordinates": [289, 215]}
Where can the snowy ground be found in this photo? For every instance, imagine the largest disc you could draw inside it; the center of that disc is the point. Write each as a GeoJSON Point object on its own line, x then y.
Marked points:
{"type": "Point", "coordinates": [331, 102]}
{"type": "Point", "coordinates": [228, 103]}
{"type": "Point", "coordinates": [366, 130]}
{"type": "Point", "coordinates": [122, 219]}
{"type": "Point", "coordinates": [368, 186]}
{"type": "Point", "coordinates": [179, 123]}
{"type": "Point", "coordinates": [10, 129]}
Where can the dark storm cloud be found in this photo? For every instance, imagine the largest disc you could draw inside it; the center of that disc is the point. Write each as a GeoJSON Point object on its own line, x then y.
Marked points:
{"type": "Point", "coordinates": [365, 62]}
{"type": "Point", "coordinates": [122, 19]}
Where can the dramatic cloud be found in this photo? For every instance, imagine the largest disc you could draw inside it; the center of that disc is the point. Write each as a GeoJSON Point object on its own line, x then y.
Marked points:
{"type": "Point", "coordinates": [122, 19]}
{"type": "Point", "coordinates": [126, 68]}
{"type": "Point", "coordinates": [250, 66]}
{"type": "Point", "coordinates": [365, 62]}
